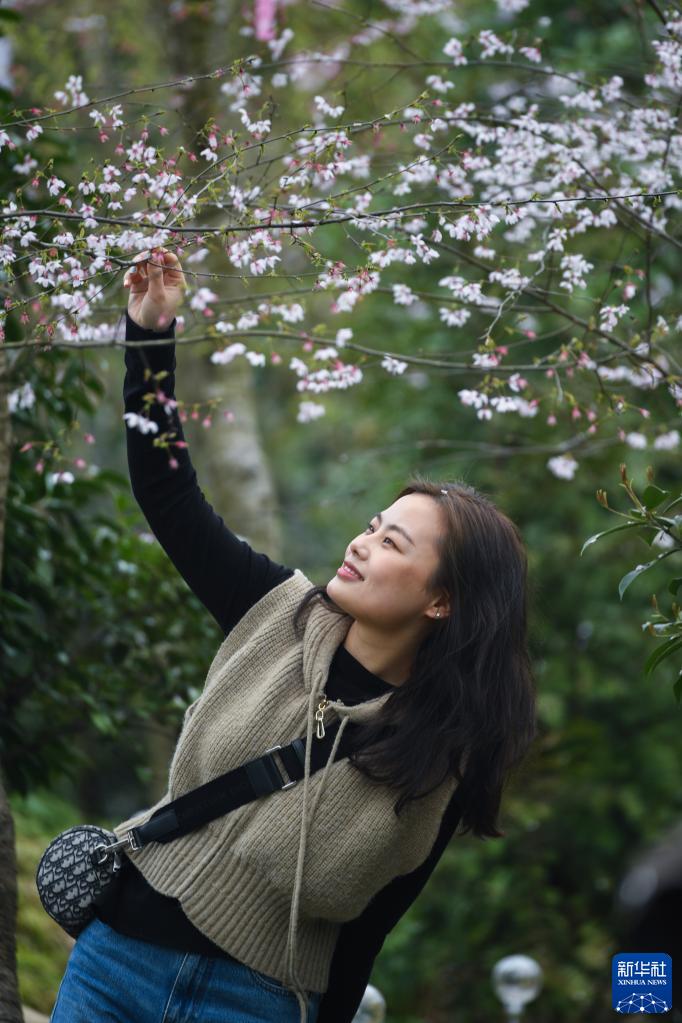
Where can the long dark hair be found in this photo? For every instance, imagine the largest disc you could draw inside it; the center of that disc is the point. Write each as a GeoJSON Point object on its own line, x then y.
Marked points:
{"type": "Point", "coordinates": [468, 706]}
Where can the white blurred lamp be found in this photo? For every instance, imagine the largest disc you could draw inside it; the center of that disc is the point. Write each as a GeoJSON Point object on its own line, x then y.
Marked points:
{"type": "Point", "coordinates": [372, 1008]}
{"type": "Point", "coordinates": [517, 980]}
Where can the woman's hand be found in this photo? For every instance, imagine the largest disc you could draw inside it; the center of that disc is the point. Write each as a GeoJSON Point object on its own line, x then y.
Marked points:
{"type": "Point", "coordinates": [156, 283]}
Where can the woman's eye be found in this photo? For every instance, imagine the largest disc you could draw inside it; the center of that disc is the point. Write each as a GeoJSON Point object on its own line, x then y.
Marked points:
{"type": "Point", "coordinates": [371, 527]}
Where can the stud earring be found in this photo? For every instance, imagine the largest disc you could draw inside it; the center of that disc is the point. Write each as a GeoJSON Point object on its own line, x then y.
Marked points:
{"type": "Point", "coordinates": [437, 614]}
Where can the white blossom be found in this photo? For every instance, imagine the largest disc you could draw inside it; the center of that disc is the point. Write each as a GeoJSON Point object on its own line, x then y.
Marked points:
{"type": "Point", "coordinates": [439, 84]}
{"type": "Point", "coordinates": [492, 44]}
{"type": "Point", "coordinates": [667, 441]}
{"type": "Point", "coordinates": [485, 360]}
{"type": "Point", "coordinates": [454, 317]}
{"type": "Point", "coordinates": [55, 185]}
{"type": "Point", "coordinates": [395, 366]}
{"type": "Point", "coordinates": [609, 315]}
{"type": "Point", "coordinates": [563, 466]}
{"type": "Point", "coordinates": [201, 299]}
{"type": "Point", "coordinates": [197, 257]}
{"type": "Point", "coordinates": [403, 295]}
{"type": "Point", "coordinates": [510, 279]}
{"type": "Point", "coordinates": [636, 440]}
{"type": "Point", "coordinates": [574, 270]}
{"type": "Point", "coordinates": [21, 398]}
{"type": "Point", "coordinates": [74, 88]}
{"type": "Point", "coordinates": [293, 313]}
{"type": "Point", "coordinates": [247, 321]}
{"type": "Point", "coordinates": [453, 48]}
{"type": "Point", "coordinates": [511, 6]}
{"type": "Point", "coordinates": [326, 353]}
{"type": "Point", "coordinates": [255, 128]}
{"type": "Point", "coordinates": [141, 423]}
{"type": "Point", "coordinates": [325, 108]}
{"type": "Point", "coordinates": [476, 399]}
{"type": "Point", "coordinates": [221, 358]}
{"type": "Point", "coordinates": [309, 411]}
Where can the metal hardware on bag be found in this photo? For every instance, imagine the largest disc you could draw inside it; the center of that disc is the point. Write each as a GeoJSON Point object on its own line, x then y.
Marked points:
{"type": "Point", "coordinates": [107, 850]}
{"type": "Point", "coordinates": [289, 784]}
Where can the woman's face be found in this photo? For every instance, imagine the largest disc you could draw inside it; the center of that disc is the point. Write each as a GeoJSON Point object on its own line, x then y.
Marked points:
{"type": "Point", "coordinates": [395, 555]}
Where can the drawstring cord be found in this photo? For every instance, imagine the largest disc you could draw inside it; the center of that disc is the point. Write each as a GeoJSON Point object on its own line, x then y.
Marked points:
{"type": "Point", "coordinates": [295, 900]}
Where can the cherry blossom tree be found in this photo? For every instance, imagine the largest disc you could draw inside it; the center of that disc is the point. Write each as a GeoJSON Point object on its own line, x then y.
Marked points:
{"type": "Point", "coordinates": [536, 233]}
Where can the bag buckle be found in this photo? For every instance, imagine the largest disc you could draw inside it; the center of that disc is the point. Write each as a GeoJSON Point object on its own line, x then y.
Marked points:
{"type": "Point", "coordinates": [100, 854]}
{"type": "Point", "coordinates": [289, 784]}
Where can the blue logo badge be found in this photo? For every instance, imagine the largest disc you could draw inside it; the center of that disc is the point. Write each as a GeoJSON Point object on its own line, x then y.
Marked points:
{"type": "Point", "coordinates": [642, 982]}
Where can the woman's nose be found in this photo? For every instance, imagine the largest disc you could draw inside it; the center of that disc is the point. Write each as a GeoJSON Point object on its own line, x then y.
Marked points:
{"type": "Point", "coordinates": [357, 547]}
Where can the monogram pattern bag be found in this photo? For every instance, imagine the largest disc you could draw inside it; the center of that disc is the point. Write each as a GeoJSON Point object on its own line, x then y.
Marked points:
{"type": "Point", "coordinates": [72, 872]}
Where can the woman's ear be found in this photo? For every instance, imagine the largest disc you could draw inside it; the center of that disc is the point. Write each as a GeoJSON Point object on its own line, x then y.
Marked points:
{"type": "Point", "coordinates": [440, 609]}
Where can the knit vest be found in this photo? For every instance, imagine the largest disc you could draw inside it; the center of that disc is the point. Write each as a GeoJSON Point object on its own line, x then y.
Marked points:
{"type": "Point", "coordinates": [272, 881]}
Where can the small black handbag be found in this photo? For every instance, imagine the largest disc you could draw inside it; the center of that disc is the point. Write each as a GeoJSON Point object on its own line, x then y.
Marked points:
{"type": "Point", "coordinates": [81, 862]}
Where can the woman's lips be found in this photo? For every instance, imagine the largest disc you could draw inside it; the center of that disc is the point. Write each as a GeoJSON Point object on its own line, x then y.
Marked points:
{"type": "Point", "coordinates": [347, 572]}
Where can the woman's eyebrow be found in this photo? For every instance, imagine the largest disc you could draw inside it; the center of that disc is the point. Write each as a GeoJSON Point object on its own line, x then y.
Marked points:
{"type": "Point", "coordinates": [396, 529]}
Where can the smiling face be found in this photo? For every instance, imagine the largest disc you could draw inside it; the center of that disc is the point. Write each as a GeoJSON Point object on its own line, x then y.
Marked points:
{"type": "Point", "coordinates": [396, 556]}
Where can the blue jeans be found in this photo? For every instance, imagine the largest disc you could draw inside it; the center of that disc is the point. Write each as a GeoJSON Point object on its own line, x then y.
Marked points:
{"type": "Point", "coordinates": [111, 978]}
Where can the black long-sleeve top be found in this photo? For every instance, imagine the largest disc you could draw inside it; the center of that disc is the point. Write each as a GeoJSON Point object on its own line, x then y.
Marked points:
{"type": "Point", "coordinates": [228, 577]}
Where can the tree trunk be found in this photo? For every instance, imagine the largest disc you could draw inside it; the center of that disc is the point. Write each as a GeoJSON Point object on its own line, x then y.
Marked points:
{"type": "Point", "coordinates": [10, 1008]}
{"type": "Point", "coordinates": [231, 464]}
{"type": "Point", "coordinates": [234, 470]}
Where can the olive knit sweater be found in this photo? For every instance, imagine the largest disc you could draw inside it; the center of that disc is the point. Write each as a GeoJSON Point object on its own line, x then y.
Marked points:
{"type": "Point", "coordinates": [272, 882]}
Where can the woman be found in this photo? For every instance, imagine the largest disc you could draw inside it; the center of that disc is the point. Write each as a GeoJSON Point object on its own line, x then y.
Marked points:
{"type": "Point", "coordinates": [416, 648]}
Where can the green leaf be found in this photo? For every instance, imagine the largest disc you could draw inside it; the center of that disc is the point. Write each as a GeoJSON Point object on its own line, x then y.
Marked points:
{"type": "Point", "coordinates": [653, 495]}
{"type": "Point", "coordinates": [627, 579]}
{"type": "Point", "coordinates": [677, 688]}
{"type": "Point", "coordinates": [674, 585]}
{"type": "Point", "coordinates": [660, 653]}
{"type": "Point", "coordinates": [614, 529]}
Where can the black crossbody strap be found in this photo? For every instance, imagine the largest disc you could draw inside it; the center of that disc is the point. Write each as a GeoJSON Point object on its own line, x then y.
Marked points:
{"type": "Point", "coordinates": [258, 777]}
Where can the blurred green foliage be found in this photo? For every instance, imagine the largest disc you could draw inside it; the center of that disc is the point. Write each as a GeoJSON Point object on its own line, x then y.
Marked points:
{"type": "Point", "coordinates": [99, 634]}
{"type": "Point", "coordinates": [42, 946]}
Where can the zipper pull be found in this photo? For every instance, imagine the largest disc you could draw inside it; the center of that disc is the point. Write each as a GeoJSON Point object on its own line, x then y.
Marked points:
{"type": "Point", "coordinates": [319, 717]}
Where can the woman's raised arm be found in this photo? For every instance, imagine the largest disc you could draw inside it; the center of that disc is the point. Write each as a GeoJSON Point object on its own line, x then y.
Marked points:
{"type": "Point", "coordinates": [225, 573]}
